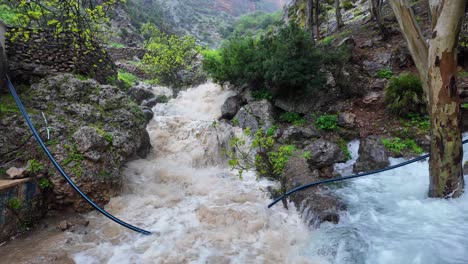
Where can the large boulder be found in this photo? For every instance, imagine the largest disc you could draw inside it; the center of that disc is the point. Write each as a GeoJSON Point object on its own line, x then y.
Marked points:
{"type": "Point", "coordinates": [372, 155]}
{"type": "Point", "coordinates": [316, 204]}
{"type": "Point", "coordinates": [298, 135]}
{"type": "Point", "coordinates": [231, 106]}
{"type": "Point", "coordinates": [256, 115]}
{"type": "Point", "coordinates": [96, 130]}
{"type": "Point", "coordinates": [324, 153]}
{"type": "Point", "coordinates": [140, 93]}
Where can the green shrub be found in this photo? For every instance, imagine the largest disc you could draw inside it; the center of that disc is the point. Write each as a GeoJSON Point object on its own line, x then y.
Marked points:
{"type": "Point", "coordinates": [344, 147]}
{"type": "Point", "coordinates": [45, 184]}
{"type": "Point", "coordinates": [404, 94]}
{"type": "Point", "coordinates": [286, 62]}
{"type": "Point", "coordinates": [398, 145]}
{"type": "Point", "coordinates": [127, 78]}
{"type": "Point", "coordinates": [292, 118]}
{"type": "Point", "coordinates": [347, 4]}
{"type": "Point", "coordinates": [327, 122]}
{"type": "Point", "coordinates": [262, 94]}
{"type": "Point", "coordinates": [385, 73]}
{"type": "Point", "coordinates": [34, 166]}
{"type": "Point", "coordinates": [14, 204]}
{"type": "Point", "coordinates": [464, 106]}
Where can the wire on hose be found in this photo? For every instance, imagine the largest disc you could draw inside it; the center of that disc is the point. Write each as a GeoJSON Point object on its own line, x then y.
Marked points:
{"type": "Point", "coordinates": [60, 169]}
{"type": "Point", "coordinates": [307, 186]}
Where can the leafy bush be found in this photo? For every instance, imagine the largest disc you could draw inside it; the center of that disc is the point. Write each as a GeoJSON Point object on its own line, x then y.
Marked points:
{"type": "Point", "coordinates": [398, 145]}
{"type": "Point", "coordinates": [347, 4]}
{"type": "Point", "coordinates": [327, 122]}
{"type": "Point", "coordinates": [286, 62]}
{"type": "Point", "coordinates": [44, 184]}
{"type": "Point", "coordinates": [263, 94]}
{"type": "Point", "coordinates": [270, 159]}
{"type": "Point", "coordinates": [404, 94]}
{"type": "Point", "coordinates": [344, 147]}
{"type": "Point", "coordinates": [127, 79]}
{"type": "Point", "coordinates": [167, 55]}
{"type": "Point", "coordinates": [292, 118]}
{"type": "Point", "coordinates": [34, 166]}
{"type": "Point", "coordinates": [385, 73]}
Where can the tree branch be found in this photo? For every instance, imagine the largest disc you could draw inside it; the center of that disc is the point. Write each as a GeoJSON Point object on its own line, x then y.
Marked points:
{"type": "Point", "coordinates": [417, 45]}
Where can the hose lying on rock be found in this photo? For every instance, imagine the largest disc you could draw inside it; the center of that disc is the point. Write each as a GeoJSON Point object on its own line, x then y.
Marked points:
{"type": "Point", "coordinates": [60, 169]}
{"type": "Point", "coordinates": [307, 186]}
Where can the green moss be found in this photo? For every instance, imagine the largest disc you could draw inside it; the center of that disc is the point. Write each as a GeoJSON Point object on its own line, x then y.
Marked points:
{"type": "Point", "coordinates": [14, 204]}
{"type": "Point", "coordinates": [8, 105]}
{"type": "Point", "coordinates": [344, 147]}
{"type": "Point", "coordinates": [385, 73]}
{"type": "Point", "coordinates": [117, 45]}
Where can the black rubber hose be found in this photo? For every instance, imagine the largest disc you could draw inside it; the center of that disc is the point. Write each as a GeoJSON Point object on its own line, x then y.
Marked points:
{"type": "Point", "coordinates": [307, 186]}
{"type": "Point", "coordinates": [60, 169]}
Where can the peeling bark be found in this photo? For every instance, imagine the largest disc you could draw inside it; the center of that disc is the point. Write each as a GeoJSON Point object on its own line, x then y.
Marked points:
{"type": "Point", "coordinates": [437, 65]}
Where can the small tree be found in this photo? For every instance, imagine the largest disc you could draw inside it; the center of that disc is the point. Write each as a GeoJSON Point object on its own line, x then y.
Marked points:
{"type": "Point", "coordinates": [375, 7]}
{"type": "Point", "coordinates": [436, 61]}
{"type": "Point", "coordinates": [339, 19]}
{"type": "Point", "coordinates": [263, 155]}
{"type": "Point", "coordinates": [79, 20]}
{"type": "Point", "coordinates": [167, 54]}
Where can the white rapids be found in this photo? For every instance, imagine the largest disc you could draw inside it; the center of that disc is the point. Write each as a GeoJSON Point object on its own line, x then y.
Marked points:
{"type": "Point", "coordinates": [392, 221]}
{"type": "Point", "coordinates": [199, 211]}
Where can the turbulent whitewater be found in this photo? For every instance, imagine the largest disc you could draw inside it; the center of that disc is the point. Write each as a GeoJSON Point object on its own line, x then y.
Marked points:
{"type": "Point", "coordinates": [199, 210]}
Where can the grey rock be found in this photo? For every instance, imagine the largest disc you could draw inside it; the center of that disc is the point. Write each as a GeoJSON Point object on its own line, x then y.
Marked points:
{"type": "Point", "coordinates": [16, 173]}
{"type": "Point", "coordinates": [349, 41]}
{"type": "Point", "coordinates": [372, 67]}
{"type": "Point", "coordinates": [316, 204]}
{"type": "Point", "coordinates": [347, 120]}
{"type": "Point", "coordinates": [324, 153]}
{"type": "Point", "coordinates": [465, 168]}
{"type": "Point", "coordinates": [372, 155]}
{"type": "Point", "coordinates": [296, 135]}
{"type": "Point", "coordinates": [93, 155]}
{"type": "Point", "coordinates": [372, 97]}
{"type": "Point", "coordinates": [231, 106]}
{"type": "Point", "coordinates": [88, 138]}
{"type": "Point", "coordinates": [367, 44]}
{"type": "Point", "coordinates": [139, 94]}
{"type": "Point", "coordinates": [378, 84]}
{"type": "Point", "coordinates": [256, 115]}
{"type": "Point", "coordinates": [150, 103]}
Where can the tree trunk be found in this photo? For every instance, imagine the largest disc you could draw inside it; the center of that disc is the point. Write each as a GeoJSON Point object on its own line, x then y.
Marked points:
{"type": "Point", "coordinates": [309, 16]}
{"type": "Point", "coordinates": [446, 172]}
{"type": "Point", "coordinates": [339, 20]}
{"type": "Point", "coordinates": [437, 65]}
{"type": "Point", "coordinates": [375, 7]}
{"type": "Point", "coordinates": [317, 19]}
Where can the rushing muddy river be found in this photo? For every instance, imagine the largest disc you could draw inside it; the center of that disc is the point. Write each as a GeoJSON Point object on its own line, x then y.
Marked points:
{"type": "Point", "coordinates": [201, 212]}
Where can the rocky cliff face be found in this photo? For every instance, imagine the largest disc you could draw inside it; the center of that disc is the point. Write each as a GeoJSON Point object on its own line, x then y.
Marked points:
{"type": "Point", "coordinates": [94, 130]}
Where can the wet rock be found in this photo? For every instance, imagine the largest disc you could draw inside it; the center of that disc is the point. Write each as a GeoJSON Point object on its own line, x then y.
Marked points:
{"type": "Point", "coordinates": [140, 93]}
{"type": "Point", "coordinates": [64, 225]}
{"type": "Point", "coordinates": [150, 103]}
{"type": "Point", "coordinates": [316, 204]}
{"type": "Point", "coordinates": [256, 115]}
{"type": "Point", "coordinates": [88, 138]}
{"type": "Point", "coordinates": [347, 120]}
{"type": "Point", "coordinates": [149, 114]}
{"type": "Point", "coordinates": [231, 106]}
{"type": "Point", "coordinates": [465, 168]}
{"type": "Point", "coordinates": [16, 173]}
{"type": "Point", "coordinates": [324, 153]}
{"type": "Point", "coordinates": [372, 155]}
{"type": "Point", "coordinates": [367, 44]}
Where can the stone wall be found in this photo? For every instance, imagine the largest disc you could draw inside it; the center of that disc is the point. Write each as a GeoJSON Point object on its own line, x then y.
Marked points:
{"type": "Point", "coordinates": [42, 54]}
{"type": "Point", "coordinates": [21, 203]}
{"type": "Point", "coordinates": [124, 54]}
